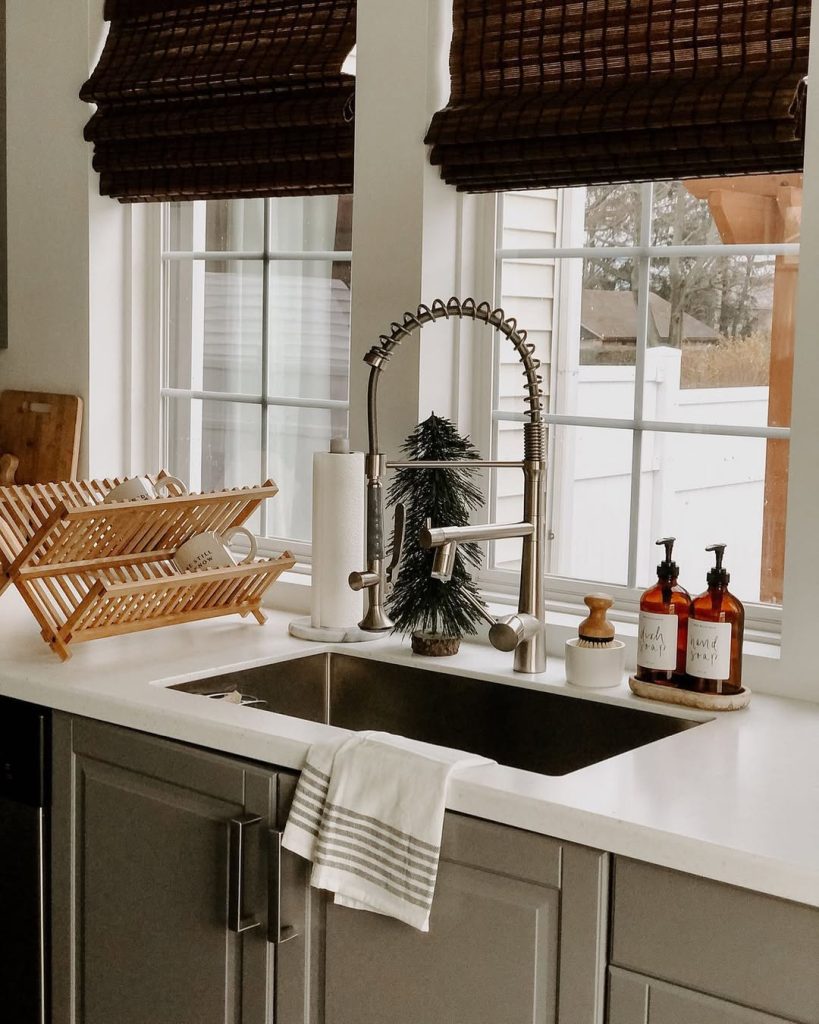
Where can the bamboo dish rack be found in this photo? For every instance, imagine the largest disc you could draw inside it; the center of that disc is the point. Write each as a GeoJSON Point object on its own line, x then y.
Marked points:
{"type": "Point", "coordinates": [88, 570]}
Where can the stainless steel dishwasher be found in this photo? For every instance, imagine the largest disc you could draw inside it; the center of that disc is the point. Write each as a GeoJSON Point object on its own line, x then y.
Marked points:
{"type": "Point", "coordinates": [24, 802]}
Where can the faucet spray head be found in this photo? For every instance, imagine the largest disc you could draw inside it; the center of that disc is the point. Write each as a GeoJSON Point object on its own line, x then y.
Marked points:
{"type": "Point", "coordinates": [443, 565]}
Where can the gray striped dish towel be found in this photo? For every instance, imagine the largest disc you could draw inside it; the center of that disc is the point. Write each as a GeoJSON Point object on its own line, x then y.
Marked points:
{"type": "Point", "coordinates": [368, 812]}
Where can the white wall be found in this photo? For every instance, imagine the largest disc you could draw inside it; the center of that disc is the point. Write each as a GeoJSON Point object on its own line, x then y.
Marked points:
{"type": "Point", "coordinates": [47, 48]}
{"type": "Point", "coordinates": [800, 676]}
{"type": "Point", "coordinates": [402, 80]}
{"type": "Point", "coordinates": [66, 273]}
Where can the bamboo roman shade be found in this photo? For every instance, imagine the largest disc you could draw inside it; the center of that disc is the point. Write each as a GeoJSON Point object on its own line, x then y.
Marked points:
{"type": "Point", "coordinates": [580, 92]}
{"type": "Point", "coordinates": [202, 99]}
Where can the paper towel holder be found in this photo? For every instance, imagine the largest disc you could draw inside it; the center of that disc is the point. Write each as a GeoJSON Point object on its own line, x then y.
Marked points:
{"type": "Point", "coordinates": [303, 628]}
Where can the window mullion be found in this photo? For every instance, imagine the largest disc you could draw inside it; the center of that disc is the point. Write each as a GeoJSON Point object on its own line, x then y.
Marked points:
{"type": "Point", "coordinates": [265, 461]}
{"type": "Point", "coordinates": [281, 255]}
{"type": "Point", "coordinates": [656, 426]}
{"type": "Point", "coordinates": [164, 356]}
{"type": "Point", "coordinates": [492, 478]}
{"type": "Point", "coordinates": [610, 252]}
{"type": "Point", "coordinates": [643, 291]}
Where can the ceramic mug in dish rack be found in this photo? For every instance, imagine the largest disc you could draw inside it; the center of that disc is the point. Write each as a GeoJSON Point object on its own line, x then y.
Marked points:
{"type": "Point", "coordinates": [210, 551]}
{"type": "Point", "coordinates": [140, 488]}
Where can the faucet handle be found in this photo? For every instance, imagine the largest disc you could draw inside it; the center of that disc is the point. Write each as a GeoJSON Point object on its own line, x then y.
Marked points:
{"type": "Point", "coordinates": [363, 580]}
{"type": "Point", "coordinates": [507, 633]}
{"type": "Point", "coordinates": [398, 528]}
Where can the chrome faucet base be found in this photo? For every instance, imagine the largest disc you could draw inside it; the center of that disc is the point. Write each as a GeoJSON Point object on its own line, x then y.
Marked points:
{"type": "Point", "coordinates": [376, 620]}
{"type": "Point", "coordinates": [372, 580]}
{"type": "Point", "coordinates": [530, 656]}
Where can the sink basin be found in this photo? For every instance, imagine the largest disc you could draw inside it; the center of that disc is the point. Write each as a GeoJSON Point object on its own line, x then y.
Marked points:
{"type": "Point", "coordinates": [540, 732]}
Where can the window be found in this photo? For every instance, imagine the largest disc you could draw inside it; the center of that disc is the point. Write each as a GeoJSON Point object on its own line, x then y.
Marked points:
{"type": "Point", "coordinates": [256, 346]}
{"type": "Point", "coordinates": [663, 315]}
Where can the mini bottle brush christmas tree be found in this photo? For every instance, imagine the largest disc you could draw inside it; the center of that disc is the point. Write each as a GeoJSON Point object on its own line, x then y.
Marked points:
{"type": "Point", "coordinates": [434, 611]}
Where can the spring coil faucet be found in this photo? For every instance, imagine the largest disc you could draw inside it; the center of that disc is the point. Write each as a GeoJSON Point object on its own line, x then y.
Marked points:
{"type": "Point", "coordinates": [525, 632]}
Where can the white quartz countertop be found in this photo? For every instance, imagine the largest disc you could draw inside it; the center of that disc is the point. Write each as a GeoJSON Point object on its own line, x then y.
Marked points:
{"type": "Point", "coordinates": [736, 799]}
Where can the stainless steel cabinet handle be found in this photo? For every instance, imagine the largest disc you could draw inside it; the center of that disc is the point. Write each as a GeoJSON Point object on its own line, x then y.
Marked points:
{"type": "Point", "coordinates": [237, 922]}
{"type": "Point", "coordinates": [277, 933]}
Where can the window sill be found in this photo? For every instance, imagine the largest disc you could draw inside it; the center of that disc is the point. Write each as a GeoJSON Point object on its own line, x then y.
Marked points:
{"type": "Point", "coordinates": [291, 591]}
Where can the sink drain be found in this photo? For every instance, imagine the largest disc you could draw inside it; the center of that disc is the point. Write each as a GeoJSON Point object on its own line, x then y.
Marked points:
{"type": "Point", "coordinates": [235, 697]}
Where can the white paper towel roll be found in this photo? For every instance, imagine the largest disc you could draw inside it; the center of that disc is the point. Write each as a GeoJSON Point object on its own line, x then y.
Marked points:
{"type": "Point", "coordinates": [338, 538]}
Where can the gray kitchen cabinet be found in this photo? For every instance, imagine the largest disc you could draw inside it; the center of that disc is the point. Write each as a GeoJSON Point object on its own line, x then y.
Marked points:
{"type": "Point", "coordinates": [517, 936]}
{"type": "Point", "coordinates": [146, 878]}
{"type": "Point", "coordinates": [702, 952]}
{"type": "Point", "coordinates": [145, 874]}
{"type": "Point", "coordinates": [634, 999]}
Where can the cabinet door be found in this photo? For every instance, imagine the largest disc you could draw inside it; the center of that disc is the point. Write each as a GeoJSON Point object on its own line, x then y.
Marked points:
{"type": "Point", "coordinates": [742, 947]}
{"type": "Point", "coordinates": [499, 919]}
{"type": "Point", "coordinates": [490, 955]}
{"type": "Point", "coordinates": [634, 999]}
{"type": "Point", "coordinates": [149, 880]}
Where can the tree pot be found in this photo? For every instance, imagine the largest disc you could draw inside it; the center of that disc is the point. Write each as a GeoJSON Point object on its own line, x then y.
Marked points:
{"type": "Point", "coordinates": [435, 645]}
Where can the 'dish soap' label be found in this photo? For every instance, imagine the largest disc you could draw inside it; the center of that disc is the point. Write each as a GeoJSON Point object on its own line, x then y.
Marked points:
{"type": "Point", "coordinates": [657, 641]}
{"type": "Point", "coordinates": [709, 649]}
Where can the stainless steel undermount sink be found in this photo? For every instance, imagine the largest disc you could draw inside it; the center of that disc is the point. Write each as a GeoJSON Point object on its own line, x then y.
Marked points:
{"type": "Point", "coordinates": [531, 729]}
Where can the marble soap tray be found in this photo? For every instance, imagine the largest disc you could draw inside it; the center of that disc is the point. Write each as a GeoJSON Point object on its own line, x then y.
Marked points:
{"type": "Point", "coordinates": [690, 699]}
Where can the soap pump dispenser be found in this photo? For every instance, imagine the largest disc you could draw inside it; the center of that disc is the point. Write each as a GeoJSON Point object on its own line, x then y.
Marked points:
{"type": "Point", "coordinates": [663, 626]}
{"type": "Point", "coordinates": [715, 630]}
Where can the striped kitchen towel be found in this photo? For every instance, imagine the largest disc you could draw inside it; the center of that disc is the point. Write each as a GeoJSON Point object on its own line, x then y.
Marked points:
{"type": "Point", "coordinates": [369, 812]}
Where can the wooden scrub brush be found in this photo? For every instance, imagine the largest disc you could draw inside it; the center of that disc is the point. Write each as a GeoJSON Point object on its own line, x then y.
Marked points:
{"type": "Point", "coordinates": [596, 630]}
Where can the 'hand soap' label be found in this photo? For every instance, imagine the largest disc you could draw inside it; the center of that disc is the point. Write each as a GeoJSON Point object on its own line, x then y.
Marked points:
{"type": "Point", "coordinates": [657, 641]}
{"type": "Point", "coordinates": [709, 649]}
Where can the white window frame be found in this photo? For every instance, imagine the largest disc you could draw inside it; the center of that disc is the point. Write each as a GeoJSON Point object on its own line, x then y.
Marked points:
{"type": "Point", "coordinates": [264, 398]}
{"type": "Point", "coordinates": [763, 621]}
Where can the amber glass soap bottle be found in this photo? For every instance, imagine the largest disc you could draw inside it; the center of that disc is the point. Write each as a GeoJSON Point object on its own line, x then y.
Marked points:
{"type": "Point", "coordinates": [663, 627]}
{"type": "Point", "coordinates": [715, 628]}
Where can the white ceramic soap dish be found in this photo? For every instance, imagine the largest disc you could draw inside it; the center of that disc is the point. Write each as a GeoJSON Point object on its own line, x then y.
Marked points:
{"type": "Point", "coordinates": [595, 667]}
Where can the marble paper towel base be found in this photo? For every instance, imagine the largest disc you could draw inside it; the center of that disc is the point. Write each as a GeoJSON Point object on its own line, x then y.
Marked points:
{"type": "Point", "coordinates": [304, 630]}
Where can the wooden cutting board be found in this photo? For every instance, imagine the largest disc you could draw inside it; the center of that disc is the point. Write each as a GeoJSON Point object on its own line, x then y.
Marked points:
{"type": "Point", "coordinates": [42, 431]}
